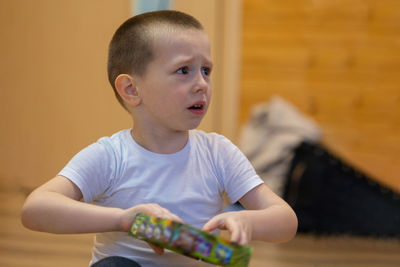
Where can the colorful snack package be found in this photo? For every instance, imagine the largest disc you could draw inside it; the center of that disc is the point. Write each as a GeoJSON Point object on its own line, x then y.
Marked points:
{"type": "Point", "coordinates": [190, 241]}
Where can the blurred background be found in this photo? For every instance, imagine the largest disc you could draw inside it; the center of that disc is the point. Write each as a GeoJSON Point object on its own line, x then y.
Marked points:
{"type": "Point", "coordinates": [336, 61]}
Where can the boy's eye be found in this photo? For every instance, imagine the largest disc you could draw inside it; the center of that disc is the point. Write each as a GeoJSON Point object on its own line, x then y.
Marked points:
{"type": "Point", "coordinates": [183, 70]}
{"type": "Point", "coordinates": [206, 71]}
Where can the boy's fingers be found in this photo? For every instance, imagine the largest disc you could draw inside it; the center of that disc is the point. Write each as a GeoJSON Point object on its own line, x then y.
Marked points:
{"type": "Point", "coordinates": [157, 249]}
{"type": "Point", "coordinates": [212, 224]}
{"type": "Point", "coordinates": [209, 226]}
{"type": "Point", "coordinates": [170, 216]}
{"type": "Point", "coordinates": [176, 218]}
{"type": "Point", "coordinates": [235, 237]}
{"type": "Point", "coordinates": [245, 239]}
{"type": "Point", "coordinates": [158, 211]}
{"type": "Point", "coordinates": [234, 232]}
{"type": "Point", "coordinates": [239, 237]}
{"type": "Point", "coordinates": [238, 234]}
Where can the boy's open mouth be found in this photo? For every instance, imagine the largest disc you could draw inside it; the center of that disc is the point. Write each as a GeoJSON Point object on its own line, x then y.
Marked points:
{"type": "Point", "coordinates": [197, 108]}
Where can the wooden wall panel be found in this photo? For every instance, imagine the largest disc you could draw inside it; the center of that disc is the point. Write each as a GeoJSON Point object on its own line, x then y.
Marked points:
{"type": "Point", "coordinates": [338, 61]}
{"type": "Point", "coordinates": [55, 98]}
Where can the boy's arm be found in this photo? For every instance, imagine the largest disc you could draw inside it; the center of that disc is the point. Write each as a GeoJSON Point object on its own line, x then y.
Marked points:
{"type": "Point", "coordinates": [267, 217]}
{"type": "Point", "coordinates": [55, 207]}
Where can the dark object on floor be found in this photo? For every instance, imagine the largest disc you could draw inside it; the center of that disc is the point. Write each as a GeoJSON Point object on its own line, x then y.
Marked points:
{"type": "Point", "coordinates": [116, 261]}
{"type": "Point", "coordinates": [331, 197]}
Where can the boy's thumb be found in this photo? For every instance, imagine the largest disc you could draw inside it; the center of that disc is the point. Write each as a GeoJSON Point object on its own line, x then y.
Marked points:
{"type": "Point", "coordinates": [211, 225]}
{"type": "Point", "coordinates": [157, 249]}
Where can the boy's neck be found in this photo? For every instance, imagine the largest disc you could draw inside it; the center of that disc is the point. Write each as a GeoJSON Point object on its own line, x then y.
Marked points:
{"type": "Point", "coordinates": [161, 142]}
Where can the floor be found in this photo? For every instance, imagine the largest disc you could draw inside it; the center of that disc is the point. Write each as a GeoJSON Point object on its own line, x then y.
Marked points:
{"type": "Point", "coordinates": [20, 247]}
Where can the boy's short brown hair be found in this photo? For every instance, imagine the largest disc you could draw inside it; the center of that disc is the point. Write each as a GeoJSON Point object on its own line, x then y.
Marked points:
{"type": "Point", "coordinates": [130, 49]}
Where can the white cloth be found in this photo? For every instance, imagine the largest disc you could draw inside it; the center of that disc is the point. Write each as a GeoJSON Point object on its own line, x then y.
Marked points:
{"type": "Point", "coordinates": [117, 172]}
{"type": "Point", "coordinates": [268, 139]}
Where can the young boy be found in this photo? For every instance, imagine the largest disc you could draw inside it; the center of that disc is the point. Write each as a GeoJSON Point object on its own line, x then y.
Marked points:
{"type": "Point", "coordinates": [159, 67]}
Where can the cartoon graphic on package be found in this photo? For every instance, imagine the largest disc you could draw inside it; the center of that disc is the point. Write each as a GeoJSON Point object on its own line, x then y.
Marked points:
{"type": "Point", "coordinates": [190, 241]}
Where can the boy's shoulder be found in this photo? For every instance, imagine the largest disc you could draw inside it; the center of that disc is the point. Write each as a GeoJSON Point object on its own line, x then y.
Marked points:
{"type": "Point", "coordinates": [116, 141]}
{"type": "Point", "coordinates": [117, 137]}
{"type": "Point", "coordinates": [200, 134]}
{"type": "Point", "coordinates": [211, 139]}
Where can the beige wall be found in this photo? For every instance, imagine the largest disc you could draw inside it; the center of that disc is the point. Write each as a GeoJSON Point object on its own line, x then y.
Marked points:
{"type": "Point", "coordinates": [55, 97]}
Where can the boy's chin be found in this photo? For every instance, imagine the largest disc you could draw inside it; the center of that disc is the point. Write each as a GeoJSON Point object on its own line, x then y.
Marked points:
{"type": "Point", "coordinates": [195, 125]}
{"type": "Point", "coordinates": [190, 127]}
{"type": "Point", "coordinates": [187, 125]}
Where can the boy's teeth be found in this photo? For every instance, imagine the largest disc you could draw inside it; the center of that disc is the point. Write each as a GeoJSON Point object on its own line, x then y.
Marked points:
{"type": "Point", "coordinates": [196, 106]}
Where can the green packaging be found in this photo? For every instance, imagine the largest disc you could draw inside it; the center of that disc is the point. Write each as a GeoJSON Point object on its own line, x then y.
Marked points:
{"type": "Point", "coordinates": [190, 241]}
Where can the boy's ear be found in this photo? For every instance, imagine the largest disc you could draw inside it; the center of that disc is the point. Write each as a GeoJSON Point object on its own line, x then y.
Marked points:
{"type": "Point", "coordinates": [126, 88]}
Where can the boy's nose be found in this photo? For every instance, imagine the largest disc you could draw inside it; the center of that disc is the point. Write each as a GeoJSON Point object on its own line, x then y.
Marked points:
{"type": "Point", "coordinates": [202, 83]}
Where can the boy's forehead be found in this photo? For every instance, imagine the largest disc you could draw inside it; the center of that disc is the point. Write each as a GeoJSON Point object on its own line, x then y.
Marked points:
{"type": "Point", "coordinates": [177, 36]}
{"type": "Point", "coordinates": [174, 32]}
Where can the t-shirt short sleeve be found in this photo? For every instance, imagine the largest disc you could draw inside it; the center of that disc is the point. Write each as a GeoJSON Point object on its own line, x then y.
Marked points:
{"type": "Point", "coordinates": [239, 175]}
{"type": "Point", "coordinates": [92, 169]}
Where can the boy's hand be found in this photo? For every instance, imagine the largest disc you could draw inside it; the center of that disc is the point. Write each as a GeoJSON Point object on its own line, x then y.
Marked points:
{"type": "Point", "coordinates": [129, 215]}
{"type": "Point", "coordinates": [235, 222]}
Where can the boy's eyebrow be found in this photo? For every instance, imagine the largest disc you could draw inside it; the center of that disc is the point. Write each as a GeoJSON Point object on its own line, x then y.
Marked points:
{"type": "Point", "coordinates": [187, 59]}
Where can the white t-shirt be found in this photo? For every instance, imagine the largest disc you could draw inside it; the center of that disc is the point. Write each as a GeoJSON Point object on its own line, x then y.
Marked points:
{"type": "Point", "coordinates": [117, 172]}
